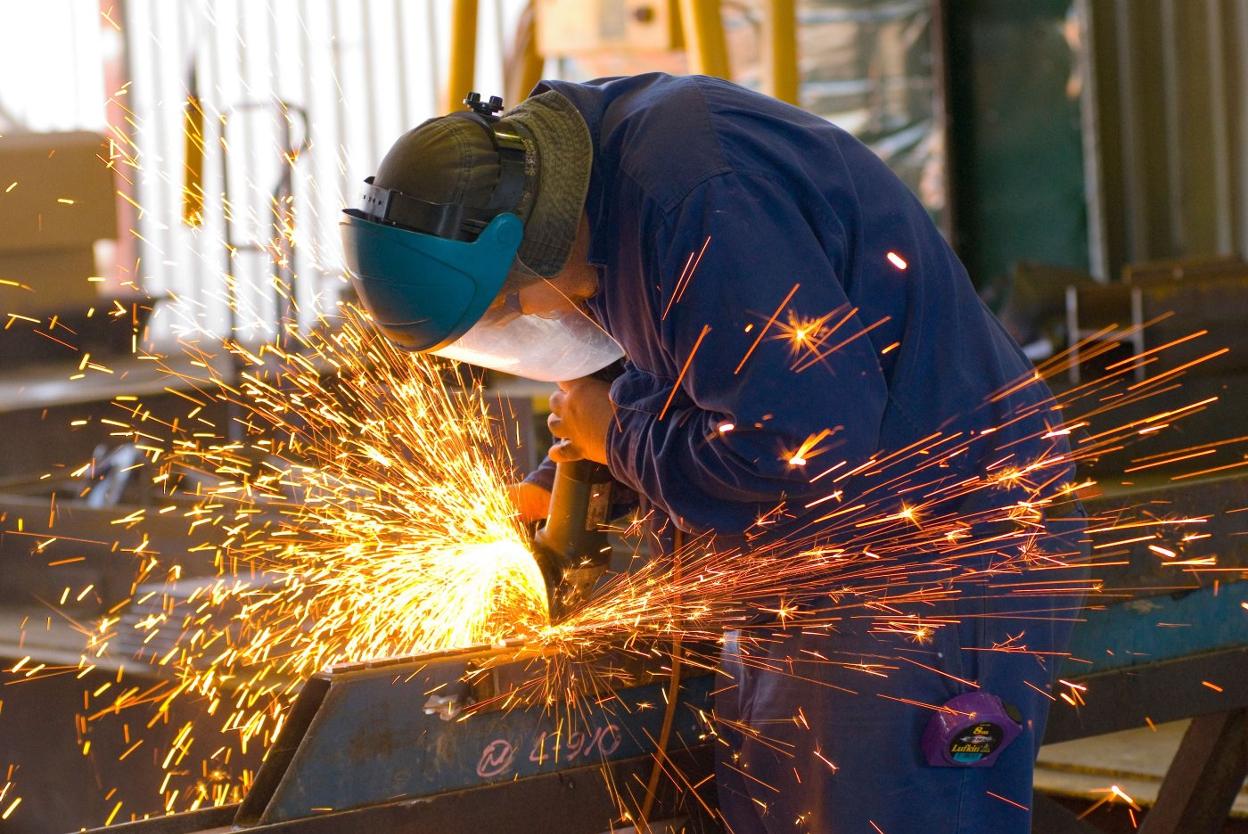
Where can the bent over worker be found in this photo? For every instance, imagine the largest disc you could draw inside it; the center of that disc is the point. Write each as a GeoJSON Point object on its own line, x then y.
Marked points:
{"type": "Point", "coordinates": [683, 223]}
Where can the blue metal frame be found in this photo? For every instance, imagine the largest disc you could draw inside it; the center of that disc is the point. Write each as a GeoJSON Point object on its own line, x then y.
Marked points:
{"type": "Point", "coordinates": [371, 740]}
{"type": "Point", "coordinates": [1160, 628]}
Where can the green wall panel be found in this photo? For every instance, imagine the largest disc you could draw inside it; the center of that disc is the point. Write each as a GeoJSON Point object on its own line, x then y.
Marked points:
{"type": "Point", "coordinates": [1015, 126]}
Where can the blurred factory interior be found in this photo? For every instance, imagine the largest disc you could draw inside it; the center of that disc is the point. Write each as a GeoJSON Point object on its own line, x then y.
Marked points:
{"type": "Point", "coordinates": [174, 173]}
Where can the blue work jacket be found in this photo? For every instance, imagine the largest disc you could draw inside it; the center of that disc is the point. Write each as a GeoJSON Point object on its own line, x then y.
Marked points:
{"type": "Point", "coordinates": [789, 312]}
{"type": "Point", "coordinates": [722, 223]}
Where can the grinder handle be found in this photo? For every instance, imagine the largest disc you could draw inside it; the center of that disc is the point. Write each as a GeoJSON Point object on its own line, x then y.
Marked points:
{"type": "Point", "coordinates": [578, 505]}
{"type": "Point", "coordinates": [579, 499]}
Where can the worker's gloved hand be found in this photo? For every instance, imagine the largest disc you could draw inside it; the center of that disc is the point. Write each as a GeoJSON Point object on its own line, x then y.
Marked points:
{"type": "Point", "coordinates": [532, 501]}
{"type": "Point", "coordinates": [580, 413]}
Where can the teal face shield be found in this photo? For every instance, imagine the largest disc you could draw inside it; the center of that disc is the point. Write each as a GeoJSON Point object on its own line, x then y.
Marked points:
{"type": "Point", "coordinates": [423, 291]}
{"type": "Point", "coordinates": [430, 275]}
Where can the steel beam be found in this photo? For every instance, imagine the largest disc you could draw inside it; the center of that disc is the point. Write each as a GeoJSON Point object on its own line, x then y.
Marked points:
{"type": "Point", "coordinates": [783, 76]}
{"type": "Point", "coordinates": [1123, 698]}
{"type": "Point", "coordinates": [704, 38]}
{"type": "Point", "coordinates": [1204, 778]}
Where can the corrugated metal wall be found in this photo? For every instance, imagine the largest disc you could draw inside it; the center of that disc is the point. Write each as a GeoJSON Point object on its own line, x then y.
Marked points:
{"type": "Point", "coordinates": [1167, 123]}
{"type": "Point", "coordinates": [346, 76]}
{"type": "Point", "coordinates": [1017, 161]}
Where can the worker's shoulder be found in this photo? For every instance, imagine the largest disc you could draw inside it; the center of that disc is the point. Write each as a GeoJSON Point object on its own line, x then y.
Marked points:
{"type": "Point", "coordinates": [670, 134]}
{"type": "Point", "coordinates": [662, 132]}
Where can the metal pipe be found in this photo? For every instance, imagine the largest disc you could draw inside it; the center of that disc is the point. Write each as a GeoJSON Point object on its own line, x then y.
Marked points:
{"type": "Point", "coordinates": [500, 31]}
{"type": "Point", "coordinates": [1093, 131]}
{"type": "Point", "coordinates": [1220, 119]}
{"type": "Point", "coordinates": [523, 68]}
{"type": "Point", "coordinates": [249, 205]}
{"type": "Point", "coordinates": [460, 73]}
{"type": "Point", "coordinates": [1172, 18]}
{"type": "Point", "coordinates": [400, 55]}
{"type": "Point", "coordinates": [939, 39]}
{"type": "Point", "coordinates": [780, 35]}
{"type": "Point", "coordinates": [340, 104]}
{"type": "Point", "coordinates": [435, 62]}
{"type": "Point", "coordinates": [1135, 182]}
{"type": "Point", "coordinates": [373, 141]}
{"type": "Point", "coordinates": [704, 37]}
{"type": "Point", "coordinates": [118, 71]}
{"type": "Point", "coordinates": [214, 289]}
{"type": "Point", "coordinates": [162, 198]}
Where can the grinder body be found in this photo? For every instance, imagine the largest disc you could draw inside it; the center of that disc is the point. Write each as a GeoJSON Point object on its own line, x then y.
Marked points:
{"type": "Point", "coordinates": [571, 547]}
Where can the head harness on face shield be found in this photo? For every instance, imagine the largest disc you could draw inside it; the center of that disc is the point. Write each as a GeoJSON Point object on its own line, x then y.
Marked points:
{"type": "Point", "coordinates": [428, 272]}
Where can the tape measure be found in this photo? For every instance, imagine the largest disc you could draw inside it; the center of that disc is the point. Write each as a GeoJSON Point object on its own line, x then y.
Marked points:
{"type": "Point", "coordinates": [970, 730]}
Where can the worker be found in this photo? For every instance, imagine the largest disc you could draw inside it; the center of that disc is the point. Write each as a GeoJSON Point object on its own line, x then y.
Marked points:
{"type": "Point", "coordinates": [694, 228]}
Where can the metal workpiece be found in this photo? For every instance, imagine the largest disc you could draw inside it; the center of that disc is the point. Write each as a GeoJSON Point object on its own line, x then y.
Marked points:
{"type": "Point", "coordinates": [374, 745]}
{"type": "Point", "coordinates": [571, 801]}
{"type": "Point", "coordinates": [364, 736]}
{"type": "Point", "coordinates": [462, 739]}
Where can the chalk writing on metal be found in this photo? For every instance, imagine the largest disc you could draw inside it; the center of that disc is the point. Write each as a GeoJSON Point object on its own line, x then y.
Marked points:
{"type": "Point", "coordinates": [499, 755]}
{"type": "Point", "coordinates": [496, 758]}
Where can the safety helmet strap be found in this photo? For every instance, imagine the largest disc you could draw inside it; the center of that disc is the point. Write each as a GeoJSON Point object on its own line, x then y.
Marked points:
{"type": "Point", "coordinates": [452, 220]}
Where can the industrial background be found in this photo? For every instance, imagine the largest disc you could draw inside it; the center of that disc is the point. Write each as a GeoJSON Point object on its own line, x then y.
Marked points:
{"type": "Point", "coordinates": [165, 165]}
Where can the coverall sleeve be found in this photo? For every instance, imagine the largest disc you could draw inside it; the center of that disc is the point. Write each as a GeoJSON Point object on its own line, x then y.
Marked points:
{"type": "Point", "coordinates": [745, 415]}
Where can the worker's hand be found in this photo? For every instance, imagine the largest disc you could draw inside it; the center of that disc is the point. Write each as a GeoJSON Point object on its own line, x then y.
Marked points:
{"type": "Point", "coordinates": [580, 413]}
{"type": "Point", "coordinates": [532, 501]}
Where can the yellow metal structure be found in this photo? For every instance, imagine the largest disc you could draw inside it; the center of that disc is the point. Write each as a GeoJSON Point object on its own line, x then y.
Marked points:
{"type": "Point", "coordinates": [459, 79]}
{"type": "Point", "coordinates": [523, 68]}
{"type": "Point", "coordinates": [704, 38]}
{"type": "Point", "coordinates": [568, 27]}
{"type": "Point", "coordinates": [193, 164]}
{"type": "Point", "coordinates": [781, 49]}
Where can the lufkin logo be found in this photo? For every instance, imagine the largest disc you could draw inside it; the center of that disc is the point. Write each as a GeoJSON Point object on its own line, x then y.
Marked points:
{"type": "Point", "coordinates": [976, 742]}
{"type": "Point", "coordinates": [970, 730]}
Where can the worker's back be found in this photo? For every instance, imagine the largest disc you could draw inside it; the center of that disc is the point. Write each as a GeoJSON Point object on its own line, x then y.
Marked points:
{"type": "Point", "coordinates": [903, 347]}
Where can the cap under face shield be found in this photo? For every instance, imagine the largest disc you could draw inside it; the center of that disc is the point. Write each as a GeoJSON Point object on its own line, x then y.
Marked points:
{"type": "Point", "coordinates": [436, 294]}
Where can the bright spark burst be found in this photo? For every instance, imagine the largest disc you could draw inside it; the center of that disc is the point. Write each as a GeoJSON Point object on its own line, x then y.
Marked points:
{"type": "Point", "coordinates": [375, 496]}
{"type": "Point", "coordinates": [352, 503]}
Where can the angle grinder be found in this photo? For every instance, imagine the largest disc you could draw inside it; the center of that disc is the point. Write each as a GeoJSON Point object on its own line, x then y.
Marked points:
{"type": "Point", "coordinates": [571, 547]}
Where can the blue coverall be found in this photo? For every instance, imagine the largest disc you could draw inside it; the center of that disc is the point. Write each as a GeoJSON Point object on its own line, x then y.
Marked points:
{"type": "Point", "coordinates": [788, 200]}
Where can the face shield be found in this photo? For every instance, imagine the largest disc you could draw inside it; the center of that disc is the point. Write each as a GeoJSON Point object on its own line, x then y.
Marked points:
{"type": "Point", "coordinates": [427, 292]}
{"type": "Point", "coordinates": [535, 332]}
